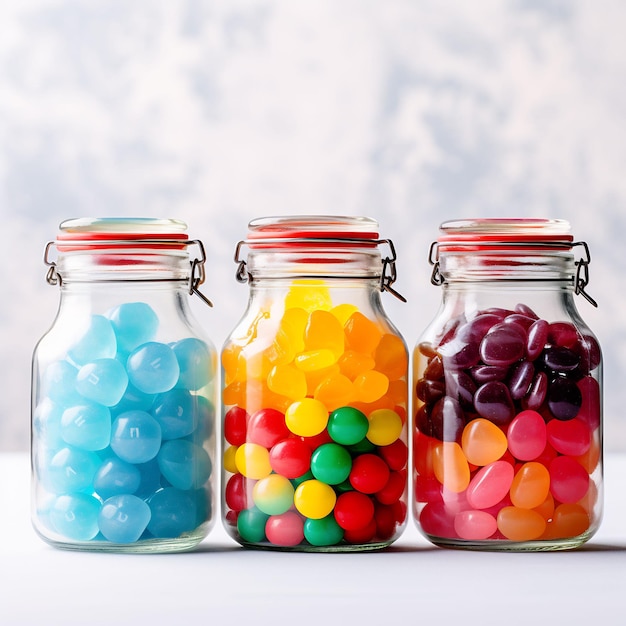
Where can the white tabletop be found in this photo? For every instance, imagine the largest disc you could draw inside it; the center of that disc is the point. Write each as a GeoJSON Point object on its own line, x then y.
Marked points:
{"type": "Point", "coordinates": [412, 582]}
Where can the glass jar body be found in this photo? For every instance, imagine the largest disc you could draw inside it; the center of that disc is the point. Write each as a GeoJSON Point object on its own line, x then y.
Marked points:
{"type": "Point", "coordinates": [315, 399]}
{"type": "Point", "coordinates": [507, 392]}
{"type": "Point", "coordinates": [123, 414]}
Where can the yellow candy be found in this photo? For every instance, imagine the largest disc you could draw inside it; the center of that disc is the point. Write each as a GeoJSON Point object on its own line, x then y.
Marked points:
{"type": "Point", "coordinates": [307, 417]}
{"type": "Point", "coordinates": [288, 381]}
{"type": "Point", "coordinates": [385, 427]}
{"type": "Point", "coordinates": [315, 360]}
{"type": "Point", "coordinates": [253, 461]}
{"type": "Point", "coordinates": [314, 499]}
{"type": "Point", "coordinates": [370, 386]}
{"type": "Point", "coordinates": [343, 312]}
{"type": "Point", "coordinates": [293, 323]}
{"type": "Point", "coordinates": [309, 294]}
{"type": "Point", "coordinates": [273, 495]}
{"type": "Point", "coordinates": [230, 465]}
{"type": "Point", "coordinates": [324, 331]}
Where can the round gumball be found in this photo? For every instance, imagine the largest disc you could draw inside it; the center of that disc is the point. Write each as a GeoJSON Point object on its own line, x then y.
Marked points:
{"type": "Point", "coordinates": [347, 425]}
{"type": "Point", "coordinates": [273, 494]}
{"type": "Point", "coordinates": [291, 457]}
{"type": "Point", "coordinates": [236, 425]}
{"type": "Point", "coordinates": [314, 499]}
{"type": "Point", "coordinates": [331, 463]}
{"type": "Point", "coordinates": [286, 530]}
{"type": "Point", "coordinates": [354, 510]}
{"type": "Point", "coordinates": [307, 417]}
{"type": "Point", "coordinates": [323, 532]}
{"type": "Point", "coordinates": [369, 473]}
{"type": "Point", "coordinates": [267, 427]}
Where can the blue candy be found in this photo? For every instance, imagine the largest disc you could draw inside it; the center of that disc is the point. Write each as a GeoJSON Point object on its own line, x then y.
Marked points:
{"type": "Point", "coordinates": [47, 424]}
{"type": "Point", "coordinates": [176, 412]}
{"type": "Point", "coordinates": [153, 367]}
{"type": "Point", "coordinates": [183, 464]}
{"type": "Point", "coordinates": [123, 518]}
{"type": "Point", "coordinates": [103, 381]}
{"type": "Point", "coordinates": [97, 342]}
{"type": "Point", "coordinates": [134, 400]}
{"type": "Point", "coordinates": [75, 516]}
{"type": "Point", "coordinates": [87, 426]}
{"type": "Point", "coordinates": [115, 477]}
{"type": "Point", "coordinates": [59, 382]}
{"type": "Point", "coordinates": [71, 470]}
{"type": "Point", "coordinates": [134, 323]}
{"type": "Point", "coordinates": [173, 513]}
{"type": "Point", "coordinates": [135, 437]}
{"type": "Point", "coordinates": [196, 366]}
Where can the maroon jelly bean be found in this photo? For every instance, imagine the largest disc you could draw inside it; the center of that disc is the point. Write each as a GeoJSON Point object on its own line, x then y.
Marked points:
{"type": "Point", "coordinates": [588, 349]}
{"type": "Point", "coordinates": [521, 320]}
{"type": "Point", "coordinates": [559, 359]}
{"type": "Point", "coordinates": [562, 334]}
{"type": "Point", "coordinates": [487, 373]}
{"type": "Point", "coordinates": [461, 386]}
{"type": "Point", "coordinates": [537, 338]}
{"type": "Point", "coordinates": [459, 355]}
{"type": "Point", "coordinates": [537, 393]}
{"type": "Point", "coordinates": [502, 345]}
{"type": "Point", "coordinates": [522, 375]}
{"type": "Point", "coordinates": [524, 309]}
{"type": "Point", "coordinates": [501, 313]}
{"type": "Point", "coordinates": [493, 402]}
{"type": "Point", "coordinates": [564, 398]}
{"type": "Point", "coordinates": [448, 420]}
{"type": "Point", "coordinates": [430, 391]}
{"type": "Point", "coordinates": [476, 329]}
{"type": "Point", "coordinates": [422, 421]}
{"type": "Point", "coordinates": [434, 369]}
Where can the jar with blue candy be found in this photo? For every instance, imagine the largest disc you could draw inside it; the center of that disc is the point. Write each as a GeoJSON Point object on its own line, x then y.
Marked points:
{"type": "Point", "coordinates": [124, 392]}
{"type": "Point", "coordinates": [507, 391]}
{"type": "Point", "coordinates": [315, 391]}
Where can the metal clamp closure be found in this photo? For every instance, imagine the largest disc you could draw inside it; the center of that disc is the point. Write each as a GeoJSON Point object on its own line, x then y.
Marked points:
{"type": "Point", "coordinates": [582, 265]}
{"type": "Point", "coordinates": [196, 277]}
{"type": "Point", "coordinates": [388, 274]}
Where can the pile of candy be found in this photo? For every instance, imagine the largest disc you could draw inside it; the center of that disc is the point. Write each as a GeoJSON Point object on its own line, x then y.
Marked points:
{"type": "Point", "coordinates": [315, 426]}
{"type": "Point", "coordinates": [119, 427]}
{"type": "Point", "coordinates": [507, 429]}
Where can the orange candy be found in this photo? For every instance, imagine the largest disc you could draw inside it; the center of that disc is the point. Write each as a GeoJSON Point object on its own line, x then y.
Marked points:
{"type": "Point", "coordinates": [335, 391]}
{"type": "Point", "coordinates": [324, 332]}
{"type": "Point", "coordinates": [520, 524]}
{"type": "Point", "coordinates": [450, 466]}
{"type": "Point", "coordinates": [361, 333]}
{"type": "Point", "coordinates": [483, 442]}
{"type": "Point", "coordinates": [391, 357]}
{"type": "Point", "coordinates": [370, 386]}
{"type": "Point", "coordinates": [531, 486]}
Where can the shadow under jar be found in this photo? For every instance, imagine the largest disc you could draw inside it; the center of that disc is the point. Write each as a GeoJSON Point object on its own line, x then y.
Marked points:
{"type": "Point", "coordinates": [507, 392]}
{"type": "Point", "coordinates": [315, 391]}
{"type": "Point", "coordinates": [124, 392]}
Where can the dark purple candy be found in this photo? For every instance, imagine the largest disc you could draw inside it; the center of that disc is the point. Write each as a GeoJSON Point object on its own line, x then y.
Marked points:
{"type": "Point", "coordinates": [501, 313]}
{"type": "Point", "coordinates": [459, 355]}
{"type": "Point", "coordinates": [522, 375]}
{"type": "Point", "coordinates": [537, 392]}
{"type": "Point", "coordinates": [487, 373]}
{"type": "Point", "coordinates": [537, 338]}
{"type": "Point", "coordinates": [448, 420]}
{"type": "Point", "coordinates": [588, 349]}
{"type": "Point", "coordinates": [460, 385]}
{"type": "Point", "coordinates": [430, 391]}
{"type": "Point", "coordinates": [502, 345]}
{"type": "Point", "coordinates": [493, 402]}
{"type": "Point", "coordinates": [524, 309]}
{"type": "Point", "coordinates": [564, 398]}
{"type": "Point", "coordinates": [562, 334]}
{"type": "Point", "coordinates": [560, 359]}
{"type": "Point", "coordinates": [422, 421]}
{"type": "Point", "coordinates": [476, 329]}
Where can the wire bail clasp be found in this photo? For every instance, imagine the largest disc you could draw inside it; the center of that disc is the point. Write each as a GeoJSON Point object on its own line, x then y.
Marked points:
{"type": "Point", "coordinates": [582, 273]}
{"type": "Point", "coordinates": [52, 276]}
{"type": "Point", "coordinates": [198, 275]}
{"type": "Point", "coordinates": [389, 273]}
{"type": "Point", "coordinates": [433, 259]}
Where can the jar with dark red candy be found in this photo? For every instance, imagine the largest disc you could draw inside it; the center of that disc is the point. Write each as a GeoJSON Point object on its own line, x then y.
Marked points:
{"type": "Point", "coordinates": [315, 391]}
{"type": "Point", "coordinates": [507, 391]}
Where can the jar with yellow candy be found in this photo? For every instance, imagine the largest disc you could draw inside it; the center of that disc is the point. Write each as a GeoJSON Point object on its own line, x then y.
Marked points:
{"type": "Point", "coordinates": [315, 391]}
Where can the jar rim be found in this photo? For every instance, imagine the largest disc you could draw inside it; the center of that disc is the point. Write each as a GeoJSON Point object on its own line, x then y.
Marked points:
{"type": "Point", "coordinates": [92, 233]}
{"type": "Point", "coordinates": [302, 229]}
{"type": "Point", "coordinates": [455, 235]}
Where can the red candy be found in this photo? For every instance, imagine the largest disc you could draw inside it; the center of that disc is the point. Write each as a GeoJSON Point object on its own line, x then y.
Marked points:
{"type": "Point", "coordinates": [267, 427]}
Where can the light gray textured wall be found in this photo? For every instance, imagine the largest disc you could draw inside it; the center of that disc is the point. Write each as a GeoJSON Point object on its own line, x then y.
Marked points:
{"type": "Point", "coordinates": [409, 111]}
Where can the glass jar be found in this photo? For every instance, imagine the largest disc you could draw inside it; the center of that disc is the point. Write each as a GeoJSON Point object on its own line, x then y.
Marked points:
{"type": "Point", "coordinates": [507, 391]}
{"type": "Point", "coordinates": [315, 391]}
{"type": "Point", "coordinates": [123, 392]}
